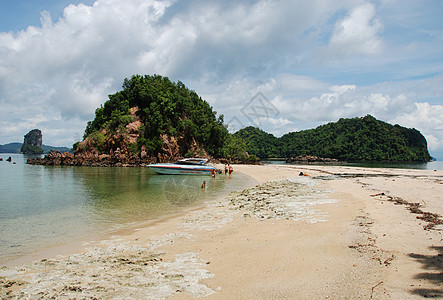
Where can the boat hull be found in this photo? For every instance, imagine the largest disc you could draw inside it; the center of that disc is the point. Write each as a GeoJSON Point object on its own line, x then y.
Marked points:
{"type": "Point", "coordinates": [173, 169]}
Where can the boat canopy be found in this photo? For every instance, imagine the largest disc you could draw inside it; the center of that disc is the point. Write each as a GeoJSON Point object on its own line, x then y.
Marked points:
{"type": "Point", "coordinates": [191, 161]}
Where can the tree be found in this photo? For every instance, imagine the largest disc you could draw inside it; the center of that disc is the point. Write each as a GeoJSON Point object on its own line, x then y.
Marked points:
{"type": "Point", "coordinates": [165, 108]}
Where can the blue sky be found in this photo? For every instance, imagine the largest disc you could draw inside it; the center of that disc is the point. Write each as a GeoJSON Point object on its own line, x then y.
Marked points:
{"type": "Point", "coordinates": [314, 61]}
{"type": "Point", "coordinates": [16, 15]}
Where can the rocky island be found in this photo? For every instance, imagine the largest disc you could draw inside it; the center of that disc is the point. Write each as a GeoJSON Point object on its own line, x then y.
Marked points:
{"type": "Point", "coordinates": [32, 143]}
{"type": "Point", "coordinates": [151, 120]}
{"type": "Point", "coordinates": [355, 139]}
{"type": "Point", "coordinates": [155, 120]}
{"type": "Point", "coordinates": [309, 159]}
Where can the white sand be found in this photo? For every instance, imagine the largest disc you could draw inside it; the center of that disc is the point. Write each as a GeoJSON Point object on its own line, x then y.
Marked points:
{"type": "Point", "coordinates": [331, 234]}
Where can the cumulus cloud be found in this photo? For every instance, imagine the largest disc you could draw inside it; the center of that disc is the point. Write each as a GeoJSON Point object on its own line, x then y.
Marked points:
{"type": "Point", "coordinates": [427, 117]}
{"type": "Point", "coordinates": [296, 53]}
{"type": "Point", "coordinates": [396, 103]}
{"type": "Point", "coordinates": [358, 32]}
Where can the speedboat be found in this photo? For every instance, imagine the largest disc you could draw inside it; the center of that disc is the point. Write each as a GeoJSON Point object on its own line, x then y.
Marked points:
{"type": "Point", "coordinates": [187, 166]}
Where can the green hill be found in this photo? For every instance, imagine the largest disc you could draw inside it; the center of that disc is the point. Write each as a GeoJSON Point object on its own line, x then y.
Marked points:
{"type": "Point", "coordinates": [154, 117]}
{"type": "Point", "coordinates": [46, 149]}
{"type": "Point", "coordinates": [259, 142]}
{"type": "Point", "coordinates": [357, 139]}
{"type": "Point", "coordinates": [11, 148]}
{"type": "Point", "coordinates": [15, 148]}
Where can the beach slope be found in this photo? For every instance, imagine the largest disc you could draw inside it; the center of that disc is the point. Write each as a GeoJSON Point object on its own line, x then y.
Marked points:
{"type": "Point", "coordinates": [338, 233]}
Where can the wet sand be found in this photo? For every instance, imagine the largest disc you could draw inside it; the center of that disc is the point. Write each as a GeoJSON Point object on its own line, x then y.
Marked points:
{"type": "Point", "coordinates": [339, 233]}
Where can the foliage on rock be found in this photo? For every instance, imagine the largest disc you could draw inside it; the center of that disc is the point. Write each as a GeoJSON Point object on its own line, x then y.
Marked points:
{"type": "Point", "coordinates": [259, 142]}
{"type": "Point", "coordinates": [32, 143]}
{"type": "Point", "coordinates": [156, 117]}
{"type": "Point", "coordinates": [356, 139]}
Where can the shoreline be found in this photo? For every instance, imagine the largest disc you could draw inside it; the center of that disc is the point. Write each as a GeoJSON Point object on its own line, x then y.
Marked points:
{"type": "Point", "coordinates": [94, 239]}
{"type": "Point", "coordinates": [355, 243]}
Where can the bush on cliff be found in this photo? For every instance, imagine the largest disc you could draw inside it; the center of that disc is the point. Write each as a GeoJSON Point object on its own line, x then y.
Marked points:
{"type": "Point", "coordinates": [32, 143]}
{"type": "Point", "coordinates": [164, 109]}
{"type": "Point", "coordinates": [356, 139]}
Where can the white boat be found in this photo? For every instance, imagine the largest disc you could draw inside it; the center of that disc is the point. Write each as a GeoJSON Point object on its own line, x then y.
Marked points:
{"type": "Point", "coordinates": [187, 166]}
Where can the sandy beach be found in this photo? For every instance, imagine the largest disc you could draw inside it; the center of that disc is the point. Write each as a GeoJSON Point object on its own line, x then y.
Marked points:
{"type": "Point", "coordinates": [339, 233]}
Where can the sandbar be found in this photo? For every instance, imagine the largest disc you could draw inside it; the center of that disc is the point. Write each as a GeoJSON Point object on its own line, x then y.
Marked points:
{"type": "Point", "coordinates": [337, 232]}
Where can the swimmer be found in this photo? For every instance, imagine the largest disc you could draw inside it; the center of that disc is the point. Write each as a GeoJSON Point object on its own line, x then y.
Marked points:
{"type": "Point", "coordinates": [230, 169]}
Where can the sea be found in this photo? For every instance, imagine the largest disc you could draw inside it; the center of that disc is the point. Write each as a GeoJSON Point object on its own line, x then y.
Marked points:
{"type": "Point", "coordinates": [432, 165]}
{"type": "Point", "coordinates": [47, 206]}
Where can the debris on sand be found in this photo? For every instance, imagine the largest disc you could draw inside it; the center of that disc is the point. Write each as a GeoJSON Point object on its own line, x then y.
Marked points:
{"type": "Point", "coordinates": [282, 199]}
{"type": "Point", "coordinates": [121, 270]}
{"type": "Point", "coordinates": [432, 219]}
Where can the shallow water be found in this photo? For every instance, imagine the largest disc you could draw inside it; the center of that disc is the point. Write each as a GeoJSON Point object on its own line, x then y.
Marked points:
{"type": "Point", "coordinates": [43, 206]}
{"type": "Point", "coordinates": [433, 165]}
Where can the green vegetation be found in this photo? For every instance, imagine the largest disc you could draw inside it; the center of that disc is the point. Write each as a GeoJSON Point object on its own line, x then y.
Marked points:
{"type": "Point", "coordinates": [16, 147]}
{"type": "Point", "coordinates": [235, 147]}
{"type": "Point", "coordinates": [357, 139]}
{"type": "Point", "coordinates": [259, 143]}
{"type": "Point", "coordinates": [32, 142]}
{"type": "Point", "coordinates": [165, 108]}
{"type": "Point", "coordinates": [31, 149]}
{"type": "Point", "coordinates": [11, 148]}
{"type": "Point", "coordinates": [170, 113]}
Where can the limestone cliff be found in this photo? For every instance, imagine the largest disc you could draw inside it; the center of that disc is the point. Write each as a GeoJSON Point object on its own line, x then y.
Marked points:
{"type": "Point", "coordinates": [151, 120]}
{"type": "Point", "coordinates": [32, 143]}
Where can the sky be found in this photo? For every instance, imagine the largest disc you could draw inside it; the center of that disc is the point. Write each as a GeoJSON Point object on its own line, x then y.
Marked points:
{"type": "Point", "coordinates": [279, 65]}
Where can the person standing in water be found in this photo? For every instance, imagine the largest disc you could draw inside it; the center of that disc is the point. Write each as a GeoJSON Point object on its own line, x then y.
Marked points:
{"type": "Point", "coordinates": [230, 169]}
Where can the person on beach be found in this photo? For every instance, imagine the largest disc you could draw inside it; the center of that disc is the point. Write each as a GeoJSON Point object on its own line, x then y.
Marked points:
{"type": "Point", "coordinates": [230, 169]}
{"type": "Point", "coordinates": [203, 185]}
{"type": "Point", "coordinates": [226, 169]}
{"type": "Point", "coordinates": [213, 173]}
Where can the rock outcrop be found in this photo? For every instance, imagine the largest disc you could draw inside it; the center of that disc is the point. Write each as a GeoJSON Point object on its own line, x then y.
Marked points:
{"type": "Point", "coordinates": [309, 159]}
{"type": "Point", "coordinates": [32, 143]}
{"type": "Point", "coordinates": [117, 158]}
{"type": "Point", "coordinates": [151, 120]}
{"type": "Point", "coordinates": [105, 149]}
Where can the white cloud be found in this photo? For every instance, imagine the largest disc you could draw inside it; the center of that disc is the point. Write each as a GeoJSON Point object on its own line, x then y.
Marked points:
{"type": "Point", "coordinates": [427, 118]}
{"type": "Point", "coordinates": [55, 75]}
{"type": "Point", "coordinates": [296, 83]}
{"type": "Point", "coordinates": [385, 102]}
{"type": "Point", "coordinates": [358, 32]}
{"type": "Point", "coordinates": [341, 89]}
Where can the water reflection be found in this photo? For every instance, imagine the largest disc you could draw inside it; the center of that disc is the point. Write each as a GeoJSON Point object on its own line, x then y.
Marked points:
{"type": "Point", "coordinates": [43, 205]}
{"type": "Point", "coordinates": [433, 165]}
{"type": "Point", "coordinates": [132, 194]}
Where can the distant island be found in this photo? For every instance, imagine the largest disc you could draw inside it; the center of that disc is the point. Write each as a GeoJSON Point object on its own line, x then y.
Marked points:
{"type": "Point", "coordinates": [15, 148]}
{"type": "Point", "coordinates": [356, 139]}
{"type": "Point", "coordinates": [155, 120]}
{"type": "Point", "coordinates": [32, 144]}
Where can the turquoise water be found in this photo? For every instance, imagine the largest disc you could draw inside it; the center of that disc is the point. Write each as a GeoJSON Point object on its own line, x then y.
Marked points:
{"type": "Point", "coordinates": [433, 165]}
{"type": "Point", "coordinates": [41, 206]}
